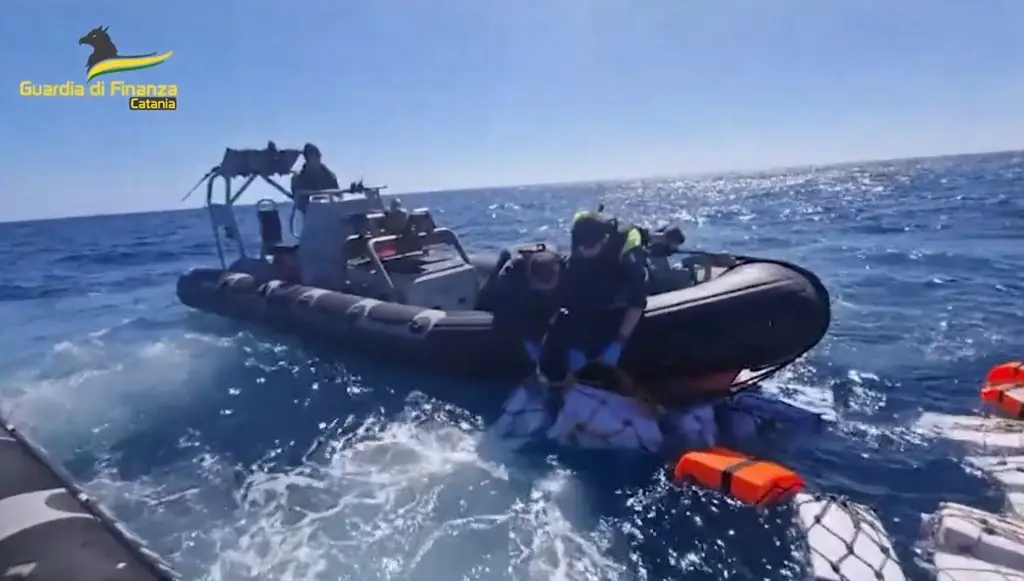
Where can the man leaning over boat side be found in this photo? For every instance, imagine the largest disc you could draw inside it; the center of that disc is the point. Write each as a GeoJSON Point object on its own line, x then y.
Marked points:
{"type": "Point", "coordinates": [313, 177]}
{"type": "Point", "coordinates": [522, 297]}
{"type": "Point", "coordinates": [603, 291]}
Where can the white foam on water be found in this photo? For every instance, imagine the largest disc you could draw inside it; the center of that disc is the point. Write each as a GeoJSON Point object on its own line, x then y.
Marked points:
{"type": "Point", "coordinates": [97, 387]}
{"type": "Point", "coordinates": [405, 500]}
{"type": "Point", "coordinates": [788, 386]}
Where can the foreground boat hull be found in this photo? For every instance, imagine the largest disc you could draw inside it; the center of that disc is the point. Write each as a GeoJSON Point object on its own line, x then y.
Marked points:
{"type": "Point", "coordinates": [757, 315]}
{"type": "Point", "coordinates": [51, 531]}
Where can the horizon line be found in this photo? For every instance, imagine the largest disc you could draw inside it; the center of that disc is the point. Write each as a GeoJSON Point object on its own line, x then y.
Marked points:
{"type": "Point", "coordinates": [470, 189]}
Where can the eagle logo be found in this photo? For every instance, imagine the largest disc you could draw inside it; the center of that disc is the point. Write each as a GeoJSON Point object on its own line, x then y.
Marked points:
{"type": "Point", "coordinates": [105, 58]}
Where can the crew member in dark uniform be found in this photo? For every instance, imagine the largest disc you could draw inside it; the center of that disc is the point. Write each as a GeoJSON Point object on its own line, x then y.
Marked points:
{"type": "Point", "coordinates": [313, 177]}
{"type": "Point", "coordinates": [603, 292]}
{"type": "Point", "coordinates": [522, 297]}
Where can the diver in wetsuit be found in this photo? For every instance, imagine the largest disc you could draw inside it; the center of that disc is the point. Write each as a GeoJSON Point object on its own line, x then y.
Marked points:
{"type": "Point", "coordinates": [522, 296]}
{"type": "Point", "coordinates": [603, 293]}
{"type": "Point", "coordinates": [313, 177]}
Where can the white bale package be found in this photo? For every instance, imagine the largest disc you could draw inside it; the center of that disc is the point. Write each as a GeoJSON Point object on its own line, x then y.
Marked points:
{"type": "Point", "coordinates": [697, 426]}
{"type": "Point", "coordinates": [986, 434]}
{"type": "Point", "coordinates": [1008, 471]}
{"type": "Point", "coordinates": [972, 545]}
{"type": "Point", "coordinates": [846, 541]}
{"type": "Point", "coordinates": [583, 416]}
{"type": "Point", "coordinates": [524, 415]}
{"type": "Point", "coordinates": [968, 544]}
{"type": "Point", "coordinates": [599, 419]}
{"type": "Point", "coordinates": [950, 567]}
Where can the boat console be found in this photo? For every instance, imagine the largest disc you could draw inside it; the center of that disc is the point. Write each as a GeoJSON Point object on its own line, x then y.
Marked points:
{"type": "Point", "coordinates": [349, 241]}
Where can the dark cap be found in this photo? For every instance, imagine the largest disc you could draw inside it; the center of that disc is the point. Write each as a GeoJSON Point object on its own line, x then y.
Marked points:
{"type": "Point", "coordinates": [310, 150]}
{"type": "Point", "coordinates": [543, 267]}
{"type": "Point", "coordinates": [590, 229]}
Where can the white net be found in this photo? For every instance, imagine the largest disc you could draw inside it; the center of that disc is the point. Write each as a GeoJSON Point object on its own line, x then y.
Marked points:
{"type": "Point", "coordinates": [968, 544]}
{"type": "Point", "coordinates": [845, 541]}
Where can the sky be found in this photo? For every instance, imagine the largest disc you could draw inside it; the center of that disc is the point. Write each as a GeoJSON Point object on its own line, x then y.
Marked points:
{"type": "Point", "coordinates": [445, 94]}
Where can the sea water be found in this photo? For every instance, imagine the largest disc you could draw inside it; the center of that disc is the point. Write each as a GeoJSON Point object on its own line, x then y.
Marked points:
{"type": "Point", "coordinates": [240, 454]}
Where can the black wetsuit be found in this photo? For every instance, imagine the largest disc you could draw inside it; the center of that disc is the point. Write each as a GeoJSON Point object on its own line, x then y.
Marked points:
{"type": "Point", "coordinates": [595, 294]}
{"type": "Point", "coordinates": [518, 309]}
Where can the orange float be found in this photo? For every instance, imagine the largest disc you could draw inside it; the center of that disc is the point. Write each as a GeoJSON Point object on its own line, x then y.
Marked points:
{"type": "Point", "coordinates": [1004, 388]}
{"type": "Point", "coordinates": [755, 482]}
{"type": "Point", "coordinates": [1009, 372]}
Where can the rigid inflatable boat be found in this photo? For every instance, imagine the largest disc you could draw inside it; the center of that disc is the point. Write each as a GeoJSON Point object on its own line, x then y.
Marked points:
{"type": "Point", "coordinates": [409, 293]}
{"type": "Point", "coordinates": [52, 531]}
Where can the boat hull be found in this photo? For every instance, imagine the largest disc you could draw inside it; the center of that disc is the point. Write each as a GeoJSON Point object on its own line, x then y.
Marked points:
{"type": "Point", "coordinates": [756, 315]}
{"type": "Point", "coordinates": [51, 531]}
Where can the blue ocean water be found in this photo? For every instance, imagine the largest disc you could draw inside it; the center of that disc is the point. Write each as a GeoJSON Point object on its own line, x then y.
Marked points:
{"type": "Point", "coordinates": [240, 454]}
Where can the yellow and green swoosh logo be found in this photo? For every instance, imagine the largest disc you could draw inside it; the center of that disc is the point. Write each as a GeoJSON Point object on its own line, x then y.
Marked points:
{"type": "Point", "coordinates": [122, 64]}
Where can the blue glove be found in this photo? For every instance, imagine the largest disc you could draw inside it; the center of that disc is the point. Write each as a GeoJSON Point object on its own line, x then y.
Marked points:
{"type": "Point", "coordinates": [577, 360]}
{"type": "Point", "coordinates": [611, 354]}
{"type": "Point", "coordinates": [532, 350]}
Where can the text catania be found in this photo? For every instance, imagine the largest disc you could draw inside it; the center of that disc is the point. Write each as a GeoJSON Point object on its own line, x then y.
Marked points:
{"type": "Point", "coordinates": [96, 89]}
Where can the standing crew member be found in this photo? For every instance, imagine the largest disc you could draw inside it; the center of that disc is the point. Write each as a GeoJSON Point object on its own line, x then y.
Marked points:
{"type": "Point", "coordinates": [313, 177]}
{"type": "Point", "coordinates": [604, 290]}
{"type": "Point", "coordinates": [523, 297]}
{"type": "Point", "coordinates": [396, 218]}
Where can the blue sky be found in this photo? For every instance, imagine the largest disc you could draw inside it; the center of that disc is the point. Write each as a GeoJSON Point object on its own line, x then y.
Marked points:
{"type": "Point", "coordinates": [434, 94]}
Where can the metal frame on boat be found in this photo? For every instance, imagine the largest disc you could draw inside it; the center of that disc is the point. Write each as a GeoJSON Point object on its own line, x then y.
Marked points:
{"type": "Point", "coordinates": [366, 253]}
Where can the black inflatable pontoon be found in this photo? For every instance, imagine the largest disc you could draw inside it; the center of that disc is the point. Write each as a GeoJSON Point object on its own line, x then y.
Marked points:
{"type": "Point", "coordinates": [52, 531]}
{"type": "Point", "coordinates": [407, 292]}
